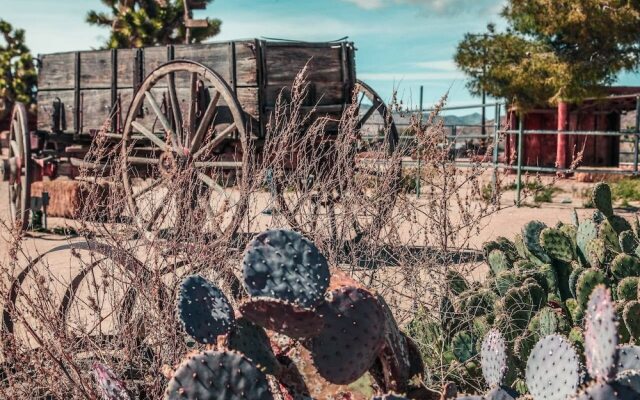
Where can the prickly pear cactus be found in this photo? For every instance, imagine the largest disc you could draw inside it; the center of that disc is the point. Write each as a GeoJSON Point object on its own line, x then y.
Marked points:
{"type": "Point", "coordinates": [587, 281]}
{"type": "Point", "coordinates": [218, 375]}
{"type": "Point", "coordinates": [531, 237]}
{"type": "Point", "coordinates": [494, 358]}
{"type": "Point", "coordinates": [628, 242]}
{"type": "Point", "coordinates": [463, 346]}
{"type": "Point", "coordinates": [601, 197]}
{"type": "Point", "coordinates": [553, 369]}
{"type": "Point", "coordinates": [203, 309]}
{"type": "Point", "coordinates": [628, 289]}
{"type": "Point", "coordinates": [352, 337]}
{"type": "Point", "coordinates": [628, 357]}
{"type": "Point", "coordinates": [587, 231]}
{"type": "Point", "coordinates": [282, 317]}
{"type": "Point", "coordinates": [624, 265]}
{"type": "Point", "coordinates": [556, 244]}
{"type": "Point", "coordinates": [600, 335]}
{"type": "Point", "coordinates": [110, 386]}
{"type": "Point", "coordinates": [600, 390]}
{"type": "Point", "coordinates": [631, 317]}
{"type": "Point", "coordinates": [252, 341]}
{"type": "Point", "coordinates": [286, 266]}
{"type": "Point", "coordinates": [498, 261]}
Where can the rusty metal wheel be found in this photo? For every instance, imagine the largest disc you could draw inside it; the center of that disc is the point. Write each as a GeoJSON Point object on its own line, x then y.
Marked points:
{"type": "Point", "coordinates": [185, 144]}
{"type": "Point", "coordinates": [370, 191]}
{"type": "Point", "coordinates": [19, 168]}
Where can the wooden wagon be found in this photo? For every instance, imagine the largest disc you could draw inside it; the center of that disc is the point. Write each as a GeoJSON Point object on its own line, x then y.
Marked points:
{"type": "Point", "coordinates": [197, 106]}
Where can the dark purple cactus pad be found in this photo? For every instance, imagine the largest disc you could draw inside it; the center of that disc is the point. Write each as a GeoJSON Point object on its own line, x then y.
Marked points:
{"type": "Point", "coordinates": [628, 358]}
{"type": "Point", "coordinates": [599, 390]}
{"type": "Point", "coordinates": [282, 317]}
{"type": "Point", "coordinates": [110, 386]}
{"type": "Point", "coordinates": [600, 334]}
{"type": "Point", "coordinates": [497, 393]}
{"type": "Point", "coordinates": [494, 358]}
{"type": "Point", "coordinates": [394, 356]}
{"type": "Point", "coordinates": [252, 341]}
{"type": "Point", "coordinates": [204, 310]}
{"type": "Point", "coordinates": [218, 375]}
{"type": "Point", "coordinates": [553, 369]}
{"type": "Point", "coordinates": [353, 335]}
{"type": "Point", "coordinates": [284, 265]}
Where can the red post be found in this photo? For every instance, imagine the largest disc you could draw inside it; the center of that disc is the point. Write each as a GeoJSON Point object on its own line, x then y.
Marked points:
{"type": "Point", "coordinates": [561, 149]}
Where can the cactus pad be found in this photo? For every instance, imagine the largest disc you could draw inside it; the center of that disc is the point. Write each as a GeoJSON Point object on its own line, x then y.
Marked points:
{"type": "Point", "coordinates": [628, 289]}
{"type": "Point", "coordinates": [498, 261]}
{"type": "Point", "coordinates": [286, 266]}
{"type": "Point", "coordinates": [624, 265]}
{"type": "Point", "coordinates": [556, 244]}
{"type": "Point", "coordinates": [600, 335]}
{"type": "Point", "coordinates": [628, 242]}
{"type": "Point", "coordinates": [456, 282]}
{"type": "Point", "coordinates": [394, 356]}
{"type": "Point", "coordinates": [601, 197]}
{"type": "Point", "coordinates": [252, 341]}
{"type": "Point", "coordinates": [282, 317]}
{"type": "Point", "coordinates": [352, 337]}
{"type": "Point", "coordinates": [631, 317]}
{"type": "Point", "coordinates": [597, 252]}
{"type": "Point", "coordinates": [587, 281]}
{"type": "Point", "coordinates": [109, 385]}
{"type": "Point", "coordinates": [573, 279]}
{"type": "Point", "coordinates": [605, 391]}
{"type": "Point", "coordinates": [587, 231]}
{"type": "Point", "coordinates": [531, 237]}
{"type": "Point", "coordinates": [494, 358]}
{"type": "Point", "coordinates": [553, 369]}
{"type": "Point", "coordinates": [628, 358]}
{"type": "Point", "coordinates": [218, 375]}
{"type": "Point", "coordinates": [203, 309]}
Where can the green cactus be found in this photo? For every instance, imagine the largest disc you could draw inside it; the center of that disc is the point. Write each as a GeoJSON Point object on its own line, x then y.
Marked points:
{"type": "Point", "coordinates": [551, 277]}
{"type": "Point", "coordinates": [531, 237]}
{"type": "Point", "coordinates": [597, 252]}
{"type": "Point", "coordinates": [587, 231]}
{"type": "Point", "coordinates": [548, 321]}
{"type": "Point", "coordinates": [624, 265]}
{"type": "Point", "coordinates": [456, 282]}
{"type": "Point", "coordinates": [498, 261]}
{"type": "Point", "coordinates": [631, 317]}
{"type": "Point", "coordinates": [573, 279]}
{"type": "Point", "coordinates": [601, 198]}
{"type": "Point", "coordinates": [628, 242]}
{"type": "Point", "coordinates": [623, 332]}
{"type": "Point", "coordinates": [628, 289]}
{"type": "Point", "coordinates": [463, 346]}
{"type": "Point", "coordinates": [556, 244]}
{"type": "Point", "coordinates": [576, 337]}
{"type": "Point", "coordinates": [587, 281]}
{"type": "Point", "coordinates": [504, 281]}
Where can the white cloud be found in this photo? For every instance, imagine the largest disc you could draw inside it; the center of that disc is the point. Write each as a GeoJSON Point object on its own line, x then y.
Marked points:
{"type": "Point", "coordinates": [448, 76]}
{"type": "Point", "coordinates": [440, 7]}
{"type": "Point", "coordinates": [368, 4]}
{"type": "Point", "coordinates": [438, 65]}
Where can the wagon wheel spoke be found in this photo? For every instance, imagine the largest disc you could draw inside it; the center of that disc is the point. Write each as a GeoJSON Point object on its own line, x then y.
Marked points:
{"type": "Point", "coordinates": [193, 106]}
{"type": "Point", "coordinates": [207, 119]}
{"type": "Point", "coordinates": [150, 135]}
{"type": "Point", "coordinates": [163, 121]}
{"type": "Point", "coordinates": [207, 180]}
{"type": "Point", "coordinates": [215, 142]}
{"type": "Point", "coordinates": [156, 213]}
{"type": "Point", "coordinates": [375, 107]}
{"type": "Point", "coordinates": [15, 148]}
{"type": "Point", "coordinates": [175, 108]}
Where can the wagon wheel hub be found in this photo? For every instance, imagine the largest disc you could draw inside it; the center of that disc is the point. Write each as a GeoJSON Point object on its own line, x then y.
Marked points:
{"type": "Point", "coordinates": [169, 165]}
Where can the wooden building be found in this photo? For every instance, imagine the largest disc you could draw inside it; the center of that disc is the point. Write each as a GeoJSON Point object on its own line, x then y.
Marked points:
{"type": "Point", "coordinates": [603, 114]}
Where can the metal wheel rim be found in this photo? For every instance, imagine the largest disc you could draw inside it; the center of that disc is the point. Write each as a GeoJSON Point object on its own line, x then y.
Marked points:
{"type": "Point", "coordinates": [20, 168]}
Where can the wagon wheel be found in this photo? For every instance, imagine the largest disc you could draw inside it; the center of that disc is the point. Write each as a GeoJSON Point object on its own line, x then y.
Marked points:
{"type": "Point", "coordinates": [372, 160]}
{"type": "Point", "coordinates": [20, 168]}
{"type": "Point", "coordinates": [185, 134]}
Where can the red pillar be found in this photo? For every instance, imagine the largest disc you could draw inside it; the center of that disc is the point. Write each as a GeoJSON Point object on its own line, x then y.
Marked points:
{"type": "Point", "coordinates": [563, 140]}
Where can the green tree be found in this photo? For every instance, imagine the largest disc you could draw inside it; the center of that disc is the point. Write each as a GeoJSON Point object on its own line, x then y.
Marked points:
{"type": "Point", "coordinates": [18, 77]}
{"type": "Point", "coordinates": [138, 23]}
{"type": "Point", "coordinates": [553, 49]}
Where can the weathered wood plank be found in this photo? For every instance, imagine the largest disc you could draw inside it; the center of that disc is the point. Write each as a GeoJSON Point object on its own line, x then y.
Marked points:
{"type": "Point", "coordinates": [214, 56]}
{"type": "Point", "coordinates": [57, 71]}
{"type": "Point", "coordinates": [96, 107]}
{"type": "Point", "coordinates": [126, 67]}
{"type": "Point", "coordinates": [246, 64]}
{"type": "Point", "coordinates": [95, 69]}
{"type": "Point", "coordinates": [320, 93]}
{"type": "Point", "coordinates": [248, 98]}
{"type": "Point", "coordinates": [285, 62]}
{"type": "Point", "coordinates": [45, 108]}
{"type": "Point", "coordinates": [153, 58]}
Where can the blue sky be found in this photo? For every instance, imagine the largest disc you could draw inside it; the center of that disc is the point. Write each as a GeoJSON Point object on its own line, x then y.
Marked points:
{"type": "Point", "coordinates": [402, 44]}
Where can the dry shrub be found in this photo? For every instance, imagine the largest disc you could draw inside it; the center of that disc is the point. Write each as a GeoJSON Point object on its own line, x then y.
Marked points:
{"type": "Point", "coordinates": [341, 191]}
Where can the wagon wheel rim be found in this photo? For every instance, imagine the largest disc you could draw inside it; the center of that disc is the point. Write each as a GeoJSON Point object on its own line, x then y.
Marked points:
{"type": "Point", "coordinates": [326, 204]}
{"type": "Point", "coordinates": [20, 168]}
{"type": "Point", "coordinates": [187, 136]}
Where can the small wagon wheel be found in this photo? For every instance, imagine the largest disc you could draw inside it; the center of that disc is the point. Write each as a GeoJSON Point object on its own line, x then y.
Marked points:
{"type": "Point", "coordinates": [373, 161]}
{"type": "Point", "coordinates": [185, 132]}
{"type": "Point", "coordinates": [20, 168]}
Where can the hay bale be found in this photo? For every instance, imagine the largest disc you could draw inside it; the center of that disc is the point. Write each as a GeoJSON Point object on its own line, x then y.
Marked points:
{"type": "Point", "coordinates": [73, 199]}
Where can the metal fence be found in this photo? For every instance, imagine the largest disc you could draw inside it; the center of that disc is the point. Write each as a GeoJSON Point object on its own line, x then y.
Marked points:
{"type": "Point", "coordinates": [493, 137]}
